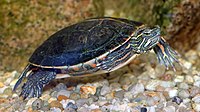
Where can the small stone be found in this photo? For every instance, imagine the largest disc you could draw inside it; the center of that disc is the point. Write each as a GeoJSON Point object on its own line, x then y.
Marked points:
{"type": "Point", "coordinates": [74, 96]}
{"type": "Point", "coordinates": [196, 99]}
{"type": "Point", "coordinates": [126, 79]}
{"type": "Point", "coordinates": [30, 102]}
{"type": "Point", "coordinates": [189, 79]}
{"type": "Point", "coordinates": [37, 104]}
{"type": "Point", "coordinates": [1, 85]}
{"type": "Point", "coordinates": [52, 99]}
{"type": "Point", "coordinates": [197, 83]}
{"type": "Point", "coordinates": [187, 64]}
{"type": "Point", "coordinates": [62, 97]}
{"type": "Point", "coordinates": [167, 84]}
{"type": "Point", "coordinates": [135, 89]}
{"type": "Point", "coordinates": [83, 109]}
{"type": "Point", "coordinates": [144, 76]}
{"type": "Point", "coordinates": [105, 90]}
{"type": "Point", "coordinates": [169, 109]}
{"type": "Point", "coordinates": [56, 104]}
{"type": "Point", "coordinates": [119, 94]}
{"type": "Point", "coordinates": [110, 95]}
{"type": "Point", "coordinates": [88, 90]}
{"type": "Point", "coordinates": [64, 93]}
{"type": "Point", "coordinates": [151, 85]}
{"type": "Point", "coordinates": [143, 109]}
{"type": "Point", "coordinates": [81, 102]}
{"type": "Point", "coordinates": [71, 105]}
{"type": "Point", "coordinates": [177, 99]}
{"type": "Point", "coordinates": [196, 78]}
{"type": "Point", "coordinates": [98, 91]}
{"type": "Point", "coordinates": [196, 107]}
{"type": "Point", "coordinates": [8, 91]}
{"type": "Point", "coordinates": [160, 70]}
{"type": "Point", "coordinates": [96, 110]}
{"type": "Point", "coordinates": [69, 110]}
{"type": "Point", "coordinates": [55, 109]}
{"type": "Point", "coordinates": [179, 78]}
{"type": "Point", "coordinates": [45, 97]}
{"type": "Point", "coordinates": [60, 87]}
{"type": "Point", "coordinates": [12, 84]}
{"type": "Point", "coordinates": [172, 93]}
{"type": "Point", "coordinates": [101, 83]}
{"type": "Point", "coordinates": [93, 106]}
{"type": "Point", "coordinates": [184, 93]}
{"type": "Point", "coordinates": [8, 80]}
{"type": "Point", "coordinates": [183, 85]}
{"type": "Point", "coordinates": [194, 91]}
{"type": "Point", "coordinates": [115, 86]}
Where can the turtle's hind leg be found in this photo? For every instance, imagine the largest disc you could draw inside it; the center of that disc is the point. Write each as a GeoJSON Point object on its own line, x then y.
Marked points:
{"type": "Point", "coordinates": [36, 81]}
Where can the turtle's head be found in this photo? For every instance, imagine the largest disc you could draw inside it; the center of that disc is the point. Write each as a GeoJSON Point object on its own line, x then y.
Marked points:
{"type": "Point", "coordinates": [145, 38]}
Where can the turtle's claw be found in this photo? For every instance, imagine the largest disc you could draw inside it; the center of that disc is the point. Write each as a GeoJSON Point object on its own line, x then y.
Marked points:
{"type": "Point", "coordinates": [35, 83]}
{"type": "Point", "coordinates": [165, 54]}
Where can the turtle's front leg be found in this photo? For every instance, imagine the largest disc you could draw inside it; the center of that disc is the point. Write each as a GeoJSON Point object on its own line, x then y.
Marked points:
{"type": "Point", "coordinates": [165, 54]}
{"type": "Point", "coordinates": [36, 81]}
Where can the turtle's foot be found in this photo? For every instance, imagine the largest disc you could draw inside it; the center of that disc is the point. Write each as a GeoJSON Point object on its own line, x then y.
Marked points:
{"type": "Point", "coordinates": [35, 83]}
{"type": "Point", "coordinates": [165, 54]}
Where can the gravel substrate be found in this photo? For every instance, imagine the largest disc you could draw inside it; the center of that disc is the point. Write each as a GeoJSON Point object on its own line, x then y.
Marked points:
{"type": "Point", "coordinates": [142, 86]}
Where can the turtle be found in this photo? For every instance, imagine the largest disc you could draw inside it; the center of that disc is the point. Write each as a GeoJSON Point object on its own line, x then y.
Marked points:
{"type": "Point", "coordinates": [92, 46]}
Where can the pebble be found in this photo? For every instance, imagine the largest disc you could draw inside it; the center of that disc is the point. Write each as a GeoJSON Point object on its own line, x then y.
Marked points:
{"type": "Point", "coordinates": [197, 83]}
{"type": "Point", "coordinates": [115, 86]}
{"type": "Point", "coordinates": [105, 90]}
{"type": "Point", "coordinates": [194, 91]}
{"type": "Point", "coordinates": [74, 96]}
{"type": "Point", "coordinates": [37, 104]}
{"type": "Point", "coordinates": [167, 84]}
{"type": "Point", "coordinates": [196, 107]}
{"type": "Point", "coordinates": [184, 93]}
{"type": "Point", "coordinates": [119, 94]}
{"type": "Point", "coordinates": [183, 85]}
{"type": "Point", "coordinates": [143, 109]}
{"type": "Point", "coordinates": [71, 105]}
{"type": "Point", "coordinates": [30, 102]}
{"type": "Point", "coordinates": [56, 104]}
{"type": "Point", "coordinates": [179, 78]}
{"type": "Point", "coordinates": [196, 98]}
{"type": "Point", "coordinates": [177, 99]}
{"type": "Point", "coordinates": [187, 64]}
{"type": "Point", "coordinates": [172, 93]}
{"type": "Point", "coordinates": [151, 85]}
{"type": "Point", "coordinates": [83, 109]}
{"type": "Point", "coordinates": [169, 109]}
{"type": "Point", "coordinates": [81, 102]}
{"type": "Point", "coordinates": [88, 90]}
{"type": "Point", "coordinates": [189, 79]}
{"type": "Point", "coordinates": [54, 109]}
{"type": "Point", "coordinates": [138, 88]}
{"type": "Point", "coordinates": [1, 85]}
{"type": "Point", "coordinates": [64, 93]}
{"type": "Point", "coordinates": [126, 79]}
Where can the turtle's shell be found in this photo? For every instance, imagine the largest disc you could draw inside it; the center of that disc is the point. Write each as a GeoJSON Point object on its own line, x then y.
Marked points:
{"type": "Point", "coordinates": [83, 41]}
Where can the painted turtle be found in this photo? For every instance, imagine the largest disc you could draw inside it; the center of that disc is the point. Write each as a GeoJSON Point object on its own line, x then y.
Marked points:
{"type": "Point", "coordinates": [94, 46]}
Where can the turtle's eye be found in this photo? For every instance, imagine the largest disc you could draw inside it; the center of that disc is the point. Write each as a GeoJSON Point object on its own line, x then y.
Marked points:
{"type": "Point", "coordinates": [147, 33]}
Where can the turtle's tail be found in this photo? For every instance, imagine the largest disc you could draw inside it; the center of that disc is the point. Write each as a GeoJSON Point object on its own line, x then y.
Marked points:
{"type": "Point", "coordinates": [22, 76]}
